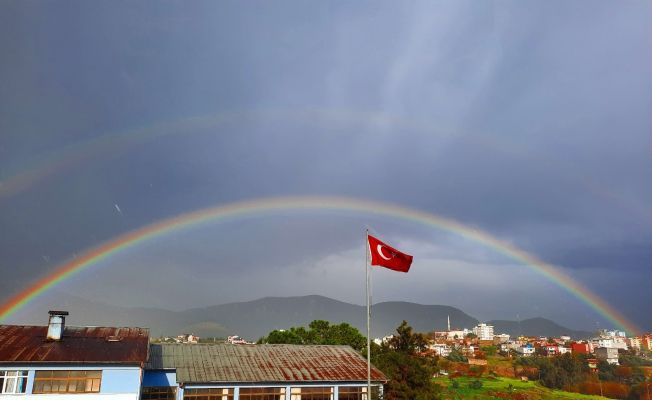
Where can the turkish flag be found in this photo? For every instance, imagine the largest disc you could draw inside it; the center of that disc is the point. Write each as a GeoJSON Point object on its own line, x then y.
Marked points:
{"type": "Point", "coordinates": [387, 256]}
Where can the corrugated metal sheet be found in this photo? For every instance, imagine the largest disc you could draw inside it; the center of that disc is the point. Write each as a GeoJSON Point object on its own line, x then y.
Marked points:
{"type": "Point", "coordinates": [28, 344]}
{"type": "Point", "coordinates": [204, 363]}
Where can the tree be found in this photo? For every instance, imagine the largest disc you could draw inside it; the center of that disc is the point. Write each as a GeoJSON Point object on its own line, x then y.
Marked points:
{"type": "Point", "coordinates": [406, 341]}
{"type": "Point", "coordinates": [318, 332]}
{"type": "Point", "coordinates": [475, 384]}
{"type": "Point", "coordinates": [456, 356]}
{"type": "Point", "coordinates": [489, 350]}
{"type": "Point", "coordinates": [410, 376]}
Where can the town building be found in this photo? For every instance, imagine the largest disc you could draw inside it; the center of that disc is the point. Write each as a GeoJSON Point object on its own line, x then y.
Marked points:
{"type": "Point", "coordinates": [608, 354]}
{"type": "Point", "coordinates": [525, 351]}
{"type": "Point", "coordinates": [187, 338]}
{"type": "Point", "coordinates": [440, 349]}
{"type": "Point", "coordinates": [646, 342]}
{"type": "Point", "coordinates": [484, 331]}
{"type": "Point", "coordinates": [634, 343]}
{"type": "Point", "coordinates": [501, 338]}
{"type": "Point", "coordinates": [581, 348]}
{"type": "Point", "coordinates": [458, 334]}
{"type": "Point", "coordinates": [257, 372]}
{"type": "Point", "coordinates": [83, 363]}
{"type": "Point", "coordinates": [46, 362]}
{"type": "Point", "coordinates": [236, 340]}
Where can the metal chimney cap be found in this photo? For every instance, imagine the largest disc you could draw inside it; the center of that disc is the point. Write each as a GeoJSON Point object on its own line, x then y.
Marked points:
{"type": "Point", "coordinates": [58, 313]}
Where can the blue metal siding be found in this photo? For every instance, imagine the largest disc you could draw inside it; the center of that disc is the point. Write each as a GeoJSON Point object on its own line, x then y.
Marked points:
{"type": "Point", "coordinates": [114, 379]}
{"type": "Point", "coordinates": [160, 378]}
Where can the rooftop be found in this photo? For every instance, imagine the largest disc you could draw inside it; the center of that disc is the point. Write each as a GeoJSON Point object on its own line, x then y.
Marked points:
{"type": "Point", "coordinates": [203, 363]}
{"type": "Point", "coordinates": [29, 344]}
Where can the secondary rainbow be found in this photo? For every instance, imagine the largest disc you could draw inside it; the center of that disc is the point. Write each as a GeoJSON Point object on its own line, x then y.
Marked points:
{"type": "Point", "coordinates": [293, 204]}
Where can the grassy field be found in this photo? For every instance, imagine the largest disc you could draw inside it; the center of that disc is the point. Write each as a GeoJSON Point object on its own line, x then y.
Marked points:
{"type": "Point", "coordinates": [499, 388]}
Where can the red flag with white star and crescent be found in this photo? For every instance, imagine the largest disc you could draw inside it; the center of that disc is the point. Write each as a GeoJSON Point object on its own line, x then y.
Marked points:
{"type": "Point", "coordinates": [386, 256]}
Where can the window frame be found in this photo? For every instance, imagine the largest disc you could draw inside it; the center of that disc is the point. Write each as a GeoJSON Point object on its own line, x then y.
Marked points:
{"type": "Point", "coordinates": [263, 393]}
{"type": "Point", "coordinates": [209, 393]}
{"type": "Point", "coordinates": [72, 375]}
{"type": "Point", "coordinates": [20, 374]}
{"type": "Point", "coordinates": [159, 393]}
{"type": "Point", "coordinates": [359, 391]}
{"type": "Point", "coordinates": [312, 392]}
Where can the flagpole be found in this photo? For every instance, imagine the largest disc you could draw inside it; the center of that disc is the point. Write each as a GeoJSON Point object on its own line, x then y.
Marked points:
{"type": "Point", "coordinates": [366, 252]}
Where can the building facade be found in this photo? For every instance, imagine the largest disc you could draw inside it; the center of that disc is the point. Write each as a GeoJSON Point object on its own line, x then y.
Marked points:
{"type": "Point", "coordinates": [484, 331]}
{"type": "Point", "coordinates": [257, 372]}
{"type": "Point", "coordinates": [59, 362]}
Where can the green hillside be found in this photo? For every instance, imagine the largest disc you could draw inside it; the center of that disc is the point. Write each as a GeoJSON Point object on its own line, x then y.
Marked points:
{"type": "Point", "coordinates": [504, 388]}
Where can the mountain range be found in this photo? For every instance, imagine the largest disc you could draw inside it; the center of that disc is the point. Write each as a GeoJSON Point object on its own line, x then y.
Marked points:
{"type": "Point", "coordinates": [254, 319]}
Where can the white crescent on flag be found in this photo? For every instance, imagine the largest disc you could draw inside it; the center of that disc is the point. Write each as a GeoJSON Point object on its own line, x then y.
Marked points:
{"type": "Point", "coordinates": [379, 249]}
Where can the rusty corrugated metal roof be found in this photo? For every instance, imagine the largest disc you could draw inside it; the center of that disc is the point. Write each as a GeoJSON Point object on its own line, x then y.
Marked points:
{"type": "Point", "coordinates": [204, 363]}
{"type": "Point", "coordinates": [28, 344]}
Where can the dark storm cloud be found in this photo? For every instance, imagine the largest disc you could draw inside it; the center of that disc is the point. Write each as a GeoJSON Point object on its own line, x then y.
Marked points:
{"type": "Point", "coordinates": [529, 121]}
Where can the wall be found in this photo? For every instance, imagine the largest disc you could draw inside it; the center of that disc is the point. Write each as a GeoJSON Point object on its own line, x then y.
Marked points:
{"type": "Point", "coordinates": [118, 382]}
{"type": "Point", "coordinates": [160, 378]}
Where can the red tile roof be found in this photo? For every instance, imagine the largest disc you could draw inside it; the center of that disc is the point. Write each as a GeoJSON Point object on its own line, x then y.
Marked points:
{"type": "Point", "coordinates": [208, 363]}
{"type": "Point", "coordinates": [28, 344]}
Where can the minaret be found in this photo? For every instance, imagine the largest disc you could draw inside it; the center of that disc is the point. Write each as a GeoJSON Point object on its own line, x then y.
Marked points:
{"type": "Point", "coordinates": [449, 323]}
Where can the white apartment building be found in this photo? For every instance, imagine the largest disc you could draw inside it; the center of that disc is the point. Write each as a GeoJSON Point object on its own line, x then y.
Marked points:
{"type": "Point", "coordinates": [441, 349]}
{"type": "Point", "coordinates": [458, 334]}
{"type": "Point", "coordinates": [484, 331]}
{"type": "Point", "coordinates": [634, 343]}
{"type": "Point", "coordinates": [525, 351]}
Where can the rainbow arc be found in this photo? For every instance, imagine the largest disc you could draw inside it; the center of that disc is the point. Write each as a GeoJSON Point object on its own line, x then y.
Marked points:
{"type": "Point", "coordinates": [265, 206]}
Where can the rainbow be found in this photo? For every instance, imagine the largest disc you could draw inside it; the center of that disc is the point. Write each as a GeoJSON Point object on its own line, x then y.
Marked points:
{"type": "Point", "coordinates": [283, 204]}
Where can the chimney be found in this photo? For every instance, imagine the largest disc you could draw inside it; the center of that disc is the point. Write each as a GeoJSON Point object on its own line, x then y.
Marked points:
{"type": "Point", "coordinates": [56, 324]}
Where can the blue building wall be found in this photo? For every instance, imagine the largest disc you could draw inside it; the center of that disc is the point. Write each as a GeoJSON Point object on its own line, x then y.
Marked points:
{"type": "Point", "coordinates": [160, 378]}
{"type": "Point", "coordinates": [115, 379]}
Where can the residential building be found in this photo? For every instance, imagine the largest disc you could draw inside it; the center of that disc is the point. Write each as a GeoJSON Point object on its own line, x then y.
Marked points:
{"type": "Point", "coordinates": [525, 351]}
{"type": "Point", "coordinates": [458, 334]}
{"type": "Point", "coordinates": [634, 343]}
{"type": "Point", "coordinates": [440, 349]}
{"type": "Point", "coordinates": [616, 342]}
{"type": "Point", "coordinates": [187, 338]}
{"type": "Point", "coordinates": [606, 333]}
{"type": "Point", "coordinates": [501, 338]}
{"type": "Point", "coordinates": [236, 340]}
{"type": "Point", "coordinates": [581, 348]}
{"type": "Point", "coordinates": [608, 354]}
{"type": "Point", "coordinates": [484, 331]}
{"type": "Point", "coordinates": [646, 342]}
{"type": "Point", "coordinates": [257, 372]}
{"type": "Point", "coordinates": [48, 362]}
{"type": "Point", "coordinates": [384, 339]}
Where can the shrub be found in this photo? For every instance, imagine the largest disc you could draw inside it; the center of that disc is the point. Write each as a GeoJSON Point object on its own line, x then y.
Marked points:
{"type": "Point", "coordinates": [475, 384]}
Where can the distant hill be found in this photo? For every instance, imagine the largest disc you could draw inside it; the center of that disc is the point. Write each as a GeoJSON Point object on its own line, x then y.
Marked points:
{"type": "Point", "coordinates": [253, 319]}
{"type": "Point", "coordinates": [536, 327]}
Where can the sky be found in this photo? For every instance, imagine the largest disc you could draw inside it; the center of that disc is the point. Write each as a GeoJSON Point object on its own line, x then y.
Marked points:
{"type": "Point", "coordinates": [530, 121]}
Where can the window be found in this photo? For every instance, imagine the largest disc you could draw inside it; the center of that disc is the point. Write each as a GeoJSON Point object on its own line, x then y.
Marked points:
{"type": "Point", "coordinates": [63, 381]}
{"type": "Point", "coordinates": [353, 393]}
{"type": "Point", "coordinates": [13, 381]}
{"type": "Point", "coordinates": [311, 393]}
{"type": "Point", "coordinates": [208, 394]}
{"type": "Point", "coordinates": [262, 393]}
{"type": "Point", "coordinates": [159, 393]}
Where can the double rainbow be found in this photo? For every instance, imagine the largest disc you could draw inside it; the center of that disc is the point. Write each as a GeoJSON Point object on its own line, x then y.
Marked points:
{"type": "Point", "coordinates": [288, 204]}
